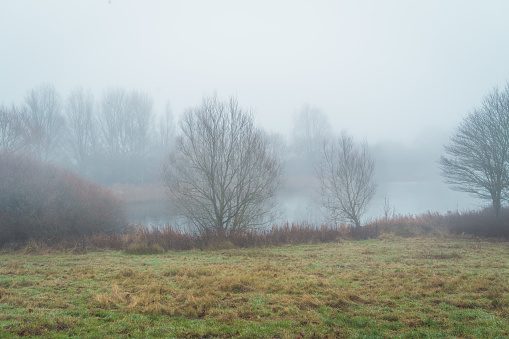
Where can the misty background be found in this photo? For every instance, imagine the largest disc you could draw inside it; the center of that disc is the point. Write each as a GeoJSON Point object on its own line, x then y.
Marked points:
{"type": "Point", "coordinates": [400, 75]}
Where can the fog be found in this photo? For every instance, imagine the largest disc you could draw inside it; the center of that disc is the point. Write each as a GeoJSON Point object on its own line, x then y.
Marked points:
{"type": "Point", "coordinates": [400, 75]}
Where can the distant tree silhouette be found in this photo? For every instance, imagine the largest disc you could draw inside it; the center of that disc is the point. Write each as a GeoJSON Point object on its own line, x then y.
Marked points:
{"type": "Point", "coordinates": [45, 107]}
{"type": "Point", "coordinates": [310, 128]}
{"type": "Point", "coordinates": [125, 122]}
{"type": "Point", "coordinates": [18, 133]}
{"type": "Point", "coordinates": [81, 134]}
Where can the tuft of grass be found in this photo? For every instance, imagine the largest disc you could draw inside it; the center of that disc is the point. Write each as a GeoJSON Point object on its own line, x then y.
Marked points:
{"type": "Point", "coordinates": [144, 249]}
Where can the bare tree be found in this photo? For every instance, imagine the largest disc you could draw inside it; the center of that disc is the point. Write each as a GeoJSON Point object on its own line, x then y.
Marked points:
{"type": "Point", "coordinates": [477, 158]}
{"type": "Point", "coordinates": [277, 145]}
{"type": "Point", "coordinates": [165, 129]}
{"type": "Point", "coordinates": [160, 142]}
{"type": "Point", "coordinates": [345, 174]}
{"type": "Point", "coordinates": [389, 211]}
{"type": "Point", "coordinates": [310, 128]}
{"type": "Point", "coordinates": [81, 137]}
{"type": "Point", "coordinates": [45, 109]}
{"type": "Point", "coordinates": [17, 132]}
{"type": "Point", "coordinates": [126, 122]}
{"type": "Point", "coordinates": [141, 113]}
{"type": "Point", "coordinates": [223, 172]}
{"type": "Point", "coordinates": [126, 118]}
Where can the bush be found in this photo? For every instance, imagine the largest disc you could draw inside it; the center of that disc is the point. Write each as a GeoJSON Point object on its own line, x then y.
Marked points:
{"type": "Point", "coordinates": [168, 238]}
{"type": "Point", "coordinates": [410, 225]}
{"type": "Point", "coordinates": [140, 239]}
{"type": "Point", "coordinates": [479, 223]}
{"type": "Point", "coordinates": [43, 202]}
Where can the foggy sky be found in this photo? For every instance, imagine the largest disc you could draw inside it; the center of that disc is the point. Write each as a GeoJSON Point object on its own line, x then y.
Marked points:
{"type": "Point", "coordinates": [397, 73]}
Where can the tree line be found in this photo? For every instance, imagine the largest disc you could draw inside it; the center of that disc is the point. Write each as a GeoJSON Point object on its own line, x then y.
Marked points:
{"type": "Point", "coordinates": [222, 172]}
{"type": "Point", "coordinates": [111, 139]}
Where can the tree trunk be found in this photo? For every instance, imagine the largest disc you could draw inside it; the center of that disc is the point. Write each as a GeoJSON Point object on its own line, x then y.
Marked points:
{"type": "Point", "coordinates": [496, 206]}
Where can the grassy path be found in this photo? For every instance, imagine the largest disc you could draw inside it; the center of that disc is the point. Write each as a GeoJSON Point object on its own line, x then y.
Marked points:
{"type": "Point", "coordinates": [416, 287]}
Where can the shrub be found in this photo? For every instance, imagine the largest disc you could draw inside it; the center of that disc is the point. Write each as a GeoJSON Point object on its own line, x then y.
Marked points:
{"type": "Point", "coordinates": [166, 237]}
{"type": "Point", "coordinates": [140, 238]}
{"type": "Point", "coordinates": [479, 223]}
{"type": "Point", "coordinates": [43, 202]}
{"type": "Point", "coordinates": [410, 225]}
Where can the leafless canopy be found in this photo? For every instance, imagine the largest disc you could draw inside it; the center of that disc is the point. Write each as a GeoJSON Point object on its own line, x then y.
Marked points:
{"type": "Point", "coordinates": [222, 174]}
{"type": "Point", "coordinates": [345, 174]}
{"type": "Point", "coordinates": [477, 157]}
{"type": "Point", "coordinates": [82, 133]}
{"type": "Point", "coordinates": [45, 108]}
{"type": "Point", "coordinates": [311, 127]}
{"type": "Point", "coordinates": [126, 119]}
{"type": "Point", "coordinates": [125, 125]}
{"type": "Point", "coordinates": [18, 134]}
{"type": "Point", "coordinates": [166, 128]}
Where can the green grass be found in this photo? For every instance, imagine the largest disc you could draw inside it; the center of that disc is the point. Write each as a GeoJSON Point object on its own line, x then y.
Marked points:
{"type": "Point", "coordinates": [394, 287]}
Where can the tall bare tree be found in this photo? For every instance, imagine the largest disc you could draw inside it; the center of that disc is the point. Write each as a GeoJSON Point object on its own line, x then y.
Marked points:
{"type": "Point", "coordinates": [126, 119]}
{"type": "Point", "coordinates": [18, 134]}
{"type": "Point", "coordinates": [477, 158]}
{"type": "Point", "coordinates": [45, 108]}
{"type": "Point", "coordinates": [126, 122]}
{"type": "Point", "coordinates": [310, 128]}
{"type": "Point", "coordinates": [81, 140]}
{"type": "Point", "coordinates": [162, 140]}
{"type": "Point", "coordinates": [165, 129]}
{"type": "Point", "coordinates": [345, 173]}
{"type": "Point", "coordinates": [223, 172]}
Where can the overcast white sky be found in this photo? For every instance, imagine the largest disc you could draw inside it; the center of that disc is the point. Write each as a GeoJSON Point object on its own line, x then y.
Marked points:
{"type": "Point", "coordinates": [389, 71]}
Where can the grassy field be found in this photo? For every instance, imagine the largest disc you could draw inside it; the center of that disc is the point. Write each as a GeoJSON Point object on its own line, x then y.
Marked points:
{"type": "Point", "coordinates": [391, 287]}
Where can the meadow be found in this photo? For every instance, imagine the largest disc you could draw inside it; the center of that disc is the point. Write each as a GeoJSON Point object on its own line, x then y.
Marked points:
{"type": "Point", "coordinates": [415, 287]}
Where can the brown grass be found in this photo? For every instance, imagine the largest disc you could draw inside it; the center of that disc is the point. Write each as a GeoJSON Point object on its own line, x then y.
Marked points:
{"type": "Point", "coordinates": [406, 287]}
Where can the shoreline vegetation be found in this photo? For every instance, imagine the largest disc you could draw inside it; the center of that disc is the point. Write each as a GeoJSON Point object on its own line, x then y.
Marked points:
{"type": "Point", "coordinates": [154, 239]}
